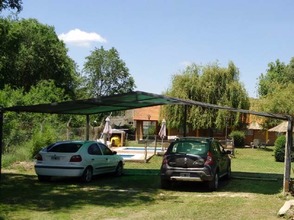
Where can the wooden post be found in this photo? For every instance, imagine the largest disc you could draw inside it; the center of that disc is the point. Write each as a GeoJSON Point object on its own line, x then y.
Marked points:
{"type": "Point", "coordinates": [287, 163]}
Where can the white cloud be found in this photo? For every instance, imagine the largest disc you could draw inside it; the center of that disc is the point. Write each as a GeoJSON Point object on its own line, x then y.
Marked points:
{"type": "Point", "coordinates": [186, 63]}
{"type": "Point", "coordinates": [81, 38]}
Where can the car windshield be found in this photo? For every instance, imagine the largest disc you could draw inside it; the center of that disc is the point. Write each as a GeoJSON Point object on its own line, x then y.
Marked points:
{"type": "Point", "coordinates": [64, 147]}
{"type": "Point", "coordinates": [190, 147]}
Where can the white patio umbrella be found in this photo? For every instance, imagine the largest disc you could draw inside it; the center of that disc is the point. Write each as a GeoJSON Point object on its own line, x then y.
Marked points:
{"type": "Point", "coordinates": [107, 131]}
{"type": "Point", "coordinates": [254, 126]}
{"type": "Point", "coordinates": [162, 132]}
{"type": "Point", "coordinates": [281, 128]}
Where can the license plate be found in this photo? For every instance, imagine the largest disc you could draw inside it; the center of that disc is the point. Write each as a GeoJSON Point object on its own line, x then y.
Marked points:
{"type": "Point", "coordinates": [185, 174]}
{"type": "Point", "coordinates": [55, 158]}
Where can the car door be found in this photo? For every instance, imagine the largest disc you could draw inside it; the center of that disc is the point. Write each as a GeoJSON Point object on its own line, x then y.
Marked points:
{"type": "Point", "coordinates": [221, 157]}
{"type": "Point", "coordinates": [97, 159]}
{"type": "Point", "coordinates": [109, 158]}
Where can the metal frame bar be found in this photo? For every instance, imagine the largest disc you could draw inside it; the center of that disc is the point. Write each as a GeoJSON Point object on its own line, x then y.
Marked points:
{"type": "Point", "coordinates": [149, 101]}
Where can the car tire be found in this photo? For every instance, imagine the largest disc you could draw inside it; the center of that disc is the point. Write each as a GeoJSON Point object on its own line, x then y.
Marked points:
{"type": "Point", "coordinates": [119, 169]}
{"type": "Point", "coordinates": [87, 175]}
{"type": "Point", "coordinates": [213, 184]}
{"type": "Point", "coordinates": [42, 178]}
{"type": "Point", "coordinates": [165, 184]}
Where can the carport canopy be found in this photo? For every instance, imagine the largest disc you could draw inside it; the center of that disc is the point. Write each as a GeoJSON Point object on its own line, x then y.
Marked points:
{"type": "Point", "coordinates": [121, 102]}
{"type": "Point", "coordinates": [133, 100]}
{"type": "Point", "coordinates": [101, 104]}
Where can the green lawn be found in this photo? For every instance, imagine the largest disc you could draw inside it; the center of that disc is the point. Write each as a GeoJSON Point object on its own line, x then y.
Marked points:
{"type": "Point", "coordinates": [254, 192]}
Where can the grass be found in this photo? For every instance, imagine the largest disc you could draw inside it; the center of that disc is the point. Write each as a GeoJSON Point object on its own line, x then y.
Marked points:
{"type": "Point", "coordinates": [254, 192]}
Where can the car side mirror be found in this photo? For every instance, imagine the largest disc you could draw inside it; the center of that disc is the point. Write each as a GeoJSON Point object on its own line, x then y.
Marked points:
{"type": "Point", "coordinates": [114, 152]}
{"type": "Point", "coordinates": [228, 152]}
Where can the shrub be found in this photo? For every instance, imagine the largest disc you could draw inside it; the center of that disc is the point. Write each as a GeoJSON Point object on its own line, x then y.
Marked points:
{"type": "Point", "coordinates": [42, 139]}
{"type": "Point", "coordinates": [238, 137]}
{"type": "Point", "coordinates": [280, 148]}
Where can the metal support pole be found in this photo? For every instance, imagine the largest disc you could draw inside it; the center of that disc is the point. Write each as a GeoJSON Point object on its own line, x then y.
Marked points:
{"type": "Point", "coordinates": [87, 127]}
{"type": "Point", "coordinates": [185, 121]}
{"type": "Point", "coordinates": [1, 139]}
{"type": "Point", "coordinates": [287, 163]}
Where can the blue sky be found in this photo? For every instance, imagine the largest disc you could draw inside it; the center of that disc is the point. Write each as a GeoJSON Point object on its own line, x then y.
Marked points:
{"type": "Point", "coordinates": [158, 38]}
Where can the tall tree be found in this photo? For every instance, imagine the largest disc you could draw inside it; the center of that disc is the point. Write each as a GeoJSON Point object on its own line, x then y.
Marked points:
{"type": "Point", "coordinates": [106, 73]}
{"type": "Point", "coordinates": [209, 84]}
{"type": "Point", "coordinates": [275, 88]}
{"type": "Point", "coordinates": [31, 52]}
{"type": "Point", "coordinates": [11, 4]}
{"type": "Point", "coordinates": [275, 76]}
{"type": "Point", "coordinates": [19, 127]}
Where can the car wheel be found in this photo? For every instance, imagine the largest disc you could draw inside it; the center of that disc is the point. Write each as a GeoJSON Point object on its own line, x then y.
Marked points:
{"type": "Point", "coordinates": [165, 184]}
{"type": "Point", "coordinates": [42, 178]}
{"type": "Point", "coordinates": [87, 175]}
{"type": "Point", "coordinates": [119, 169]}
{"type": "Point", "coordinates": [213, 184]}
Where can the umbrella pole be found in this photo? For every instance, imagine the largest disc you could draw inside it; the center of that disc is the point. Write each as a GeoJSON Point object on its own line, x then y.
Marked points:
{"type": "Point", "coordinates": [105, 139]}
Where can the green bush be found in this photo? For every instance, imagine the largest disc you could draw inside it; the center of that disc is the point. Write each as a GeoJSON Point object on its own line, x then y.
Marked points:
{"type": "Point", "coordinates": [42, 139]}
{"type": "Point", "coordinates": [238, 137]}
{"type": "Point", "coordinates": [280, 148]}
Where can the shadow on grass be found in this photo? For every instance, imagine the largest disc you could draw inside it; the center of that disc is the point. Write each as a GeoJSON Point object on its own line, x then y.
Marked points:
{"type": "Point", "coordinates": [241, 182]}
{"type": "Point", "coordinates": [261, 183]}
{"type": "Point", "coordinates": [21, 191]}
{"type": "Point", "coordinates": [137, 186]}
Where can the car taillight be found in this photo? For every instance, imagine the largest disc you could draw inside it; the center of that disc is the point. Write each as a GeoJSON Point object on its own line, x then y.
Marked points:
{"type": "Point", "coordinates": [38, 157]}
{"type": "Point", "coordinates": [75, 158]}
{"type": "Point", "coordinates": [209, 160]}
{"type": "Point", "coordinates": [164, 160]}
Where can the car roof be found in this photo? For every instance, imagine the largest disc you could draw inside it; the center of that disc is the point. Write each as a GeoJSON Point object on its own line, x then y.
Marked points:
{"type": "Point", "coordinates": [74, 141]}
{"type": "Point", "coordinates": [208, 139]}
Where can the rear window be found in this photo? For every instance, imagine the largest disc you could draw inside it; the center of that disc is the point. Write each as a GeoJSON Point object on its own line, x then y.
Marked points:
{"type": "Point", "coordinates": [190, 147]}
{"type": "Point", "coordinates": [64, 148]}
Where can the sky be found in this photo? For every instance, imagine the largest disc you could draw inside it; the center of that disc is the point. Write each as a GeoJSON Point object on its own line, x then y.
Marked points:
{"type": "Point", "coordinates": [159, 38]}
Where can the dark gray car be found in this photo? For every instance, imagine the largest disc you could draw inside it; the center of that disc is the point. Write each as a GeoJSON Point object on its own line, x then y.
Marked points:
{"type": "Point", "coordinates": [195, 159]}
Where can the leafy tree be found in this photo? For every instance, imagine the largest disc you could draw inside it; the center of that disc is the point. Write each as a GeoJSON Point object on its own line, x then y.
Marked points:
{"type": "Point", "coordinates": [31, 52]}
{"type": "Point", "coordinates": [42, 138]}
{"type": "Point", "coordinates": [275, 88]}
{"type": "Point", "coordinates": [12, 129]}
{"type": "Point", "coordinates": [209, 84]}
{"type": "Point", "coordinates": [281, 102]}
{"type": "Point", "coordinates": [11, 4]}
{"type": "Point", "coordinates": [106, 73]}
{"type": "Point", "coordinates": [275, 76]}
{"type": "Point", "coordinates": [19, 127]}
{"type": "Point", "coordinates": [45, 92]}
